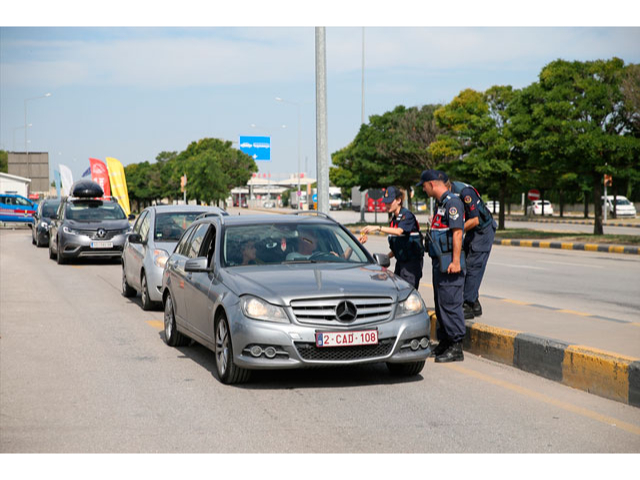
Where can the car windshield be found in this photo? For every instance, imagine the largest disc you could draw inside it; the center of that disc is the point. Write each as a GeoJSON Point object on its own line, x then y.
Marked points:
{"type": "Point", "coordinates": [622, 201]}
{"type": "Point", "coordinates": [49, 208]}
{"type": "Point", "coordinates": [289, 243]}
{"type": "Point", "coordinates": [94, 211]}
{"type": "Point", "coordinates": [170, 225]}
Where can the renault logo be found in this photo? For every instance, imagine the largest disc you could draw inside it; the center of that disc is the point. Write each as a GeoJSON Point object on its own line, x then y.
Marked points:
{"type": "Point", "coordinates": [346, 311]}
{"type": "Point", "coordinates": [101, 232]}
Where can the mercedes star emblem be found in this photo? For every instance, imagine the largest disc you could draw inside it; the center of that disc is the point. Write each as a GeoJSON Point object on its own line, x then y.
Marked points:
{"type": "Point", "coordinates": [346, 311]}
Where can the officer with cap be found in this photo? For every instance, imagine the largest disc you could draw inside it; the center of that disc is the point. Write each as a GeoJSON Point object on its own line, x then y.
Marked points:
{"type": "Point", "coordinates": [404, 237]}
{"type": "Point", "coordinates": [480, 230]}
{"type": "Point", "coordinates": [445, 250]}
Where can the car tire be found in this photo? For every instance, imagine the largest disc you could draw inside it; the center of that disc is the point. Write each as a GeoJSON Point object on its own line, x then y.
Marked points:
{"type": "Point", "coordinates": [172, 337]}
{"type": "Point", "coordinates": [406, 369]}
{"type": "Point", "coordinates": [147, 304]}
{"type": "Point", "coordinates": [127, 290]}
{"type": "Point", "coordinates": [228, 372]}
{"type": "Point", "coordinates": [59, 257]}
{"type": "Point", "coordinates": [33, 239]}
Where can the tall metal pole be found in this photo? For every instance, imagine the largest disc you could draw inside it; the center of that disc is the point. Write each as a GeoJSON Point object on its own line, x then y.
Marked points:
{"type": "Point", "coordinates": [321, 121]}
{"type": "Point", "coordinates": [299, 193]}
{"type": "Point", "coordinates": [363, 195]}
{"type": "Point", "coordinates": [26, 148]}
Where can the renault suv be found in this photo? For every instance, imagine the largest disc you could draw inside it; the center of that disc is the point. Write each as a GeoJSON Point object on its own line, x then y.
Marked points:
{"type": "Point", "coordinates": [88, 225]}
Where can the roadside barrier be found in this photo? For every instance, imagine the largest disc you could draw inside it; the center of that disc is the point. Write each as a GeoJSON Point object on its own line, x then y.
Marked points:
{"type": "Point", "coordinates": [606, 374]}
{"type": "Point", "coordinates": [589, 247]}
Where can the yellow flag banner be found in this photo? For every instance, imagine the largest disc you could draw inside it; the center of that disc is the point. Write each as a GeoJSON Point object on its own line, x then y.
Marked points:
{"type": "Point", "coordinates": [118, 183]}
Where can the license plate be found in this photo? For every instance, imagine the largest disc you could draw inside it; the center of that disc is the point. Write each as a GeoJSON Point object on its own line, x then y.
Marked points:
{"type": "Point", "coordinates": [101, 244]}
{"type": "Point", "coordinates": [346, 339]}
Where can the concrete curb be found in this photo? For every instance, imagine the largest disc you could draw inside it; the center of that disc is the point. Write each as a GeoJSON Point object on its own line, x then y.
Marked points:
{"type": "Point", "coordinates": [588, 247]}
{"type": "Point", "coordinates": [567, 220]}
{"type": "Point", "coordinates": [606, 374]}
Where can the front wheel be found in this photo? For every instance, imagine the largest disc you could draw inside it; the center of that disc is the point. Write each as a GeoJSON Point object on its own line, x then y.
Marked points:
{"type": "Point", "coordinates": [60, 258]}
{"type": "Point", "coordinates": [172, 337]}
{"type": "Point", "coordinates": [228, 371]}
{"type": "Point", "coordinates": [406, 369]}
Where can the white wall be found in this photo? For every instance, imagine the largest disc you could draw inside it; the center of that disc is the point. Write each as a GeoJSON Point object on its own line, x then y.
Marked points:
{"type": "Point", "coordinates": [8, 184]}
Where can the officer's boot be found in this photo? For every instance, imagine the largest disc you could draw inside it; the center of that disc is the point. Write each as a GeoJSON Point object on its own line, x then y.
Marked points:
{"type": "Point", "coordinates": [477, 308]}
{"type": "Point", "coordinates": [440, 348]}
{"type": "Point", "coordinates": [452, 354]}
{"type": "Point", "coordinates": [468, 310]}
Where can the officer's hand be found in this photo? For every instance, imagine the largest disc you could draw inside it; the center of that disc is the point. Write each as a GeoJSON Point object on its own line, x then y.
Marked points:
{"type": "Point", "coordinates": [454, 267]}
{"type": "Point", "coordinates": [363, 238]}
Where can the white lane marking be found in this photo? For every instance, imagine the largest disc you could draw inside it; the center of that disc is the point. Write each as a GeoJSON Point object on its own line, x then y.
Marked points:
{"type": "Point", "coordinates": [518, 266]}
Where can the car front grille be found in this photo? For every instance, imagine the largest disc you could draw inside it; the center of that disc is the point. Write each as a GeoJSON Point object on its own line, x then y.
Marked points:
{"type": "Point", "coordinates": [322, 311]}
{"type": "Point", "coordinates": [93, 234]}
{"type": "Point", "coordinates": [309, 351]}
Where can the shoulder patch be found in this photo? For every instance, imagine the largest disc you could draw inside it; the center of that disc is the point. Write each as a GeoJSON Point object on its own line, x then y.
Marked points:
{"type": "Point", "coordinates": [453, 213]}
{"type": "Point", "coordinates": [467, 199]}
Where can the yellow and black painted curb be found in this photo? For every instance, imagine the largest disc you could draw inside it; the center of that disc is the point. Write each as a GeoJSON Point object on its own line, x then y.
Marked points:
{"type": "Point", "coordinates": [609, 223]}
{"type": "Point", "coordinates": [609, 375]}
{"type": "Point", "coordinates": [588, 247]}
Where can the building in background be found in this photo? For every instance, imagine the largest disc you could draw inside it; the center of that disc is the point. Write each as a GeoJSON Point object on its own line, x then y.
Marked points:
{"type": "Point", "coordinates": [14, 184]}
{"type": "Point", "coordinates": [34, 166]}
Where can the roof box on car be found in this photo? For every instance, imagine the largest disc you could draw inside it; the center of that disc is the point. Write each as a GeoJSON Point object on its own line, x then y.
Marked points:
{"type": "Point", "coordinates": [86, 189]}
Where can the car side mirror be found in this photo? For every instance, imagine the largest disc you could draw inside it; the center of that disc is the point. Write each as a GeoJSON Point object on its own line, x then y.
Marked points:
{"type": "Point", "coordinates": [132, 216]}
{"type": "Point", "coordinates": [196, 265]}
{"type": "Point", "coordinates": [382, 259]}
{"type": "Point", "coordinates": [135, 238]}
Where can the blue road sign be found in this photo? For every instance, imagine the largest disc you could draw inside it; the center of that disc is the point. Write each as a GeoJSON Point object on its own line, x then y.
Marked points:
{"type": "Point", "coordinates": [257, 147]}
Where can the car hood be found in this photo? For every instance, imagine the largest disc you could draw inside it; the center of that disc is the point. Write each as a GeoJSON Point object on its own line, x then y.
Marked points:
{"type": "Point", "coordinates": [168, 247]}
{"type": "Point", "coordinates": [106, 224]}
{"type": "Point", "coordinates": [279, 284]}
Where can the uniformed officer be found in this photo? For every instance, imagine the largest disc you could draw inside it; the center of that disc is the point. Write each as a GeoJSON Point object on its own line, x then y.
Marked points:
{"type": "Point", "coordinates": [480, 230]}
{"type": "Point", "coordinates": [445, 250]}
{"type": "Point", "coordinates": [404, 237]}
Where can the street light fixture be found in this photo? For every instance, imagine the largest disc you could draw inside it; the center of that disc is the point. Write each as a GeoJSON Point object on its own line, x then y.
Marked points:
{"type": "Point", "coordinates": [297, 105]}
{"type": "Point", "coordinates": [26, 148]}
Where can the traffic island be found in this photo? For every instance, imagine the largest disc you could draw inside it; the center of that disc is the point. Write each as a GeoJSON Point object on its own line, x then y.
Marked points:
{"type": "Point", "coordinates": [588, 247]}
{"type": "Point", "coordinates": [606, 374]}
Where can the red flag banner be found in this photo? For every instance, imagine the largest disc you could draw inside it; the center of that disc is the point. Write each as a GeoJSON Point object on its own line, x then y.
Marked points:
{"type": "Point", "coordinates": [100, 175]}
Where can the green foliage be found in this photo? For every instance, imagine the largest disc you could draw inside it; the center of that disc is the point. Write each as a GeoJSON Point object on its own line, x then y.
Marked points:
{"type": "Point", "coordinates": [392, 149]}
{"type": "Point", "coordinates": [212, 167]}
{"type": "Point", "coordinates": [4, 161]}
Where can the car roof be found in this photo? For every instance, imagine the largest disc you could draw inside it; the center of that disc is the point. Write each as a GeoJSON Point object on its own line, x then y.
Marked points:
{"type": "Point", "coordinates": [270, 218]}
{"type": "Point", "coordinates": [184, 208]}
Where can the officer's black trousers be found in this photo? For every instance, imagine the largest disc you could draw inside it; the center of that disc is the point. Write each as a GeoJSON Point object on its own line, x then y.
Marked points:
{"type": "Point", "coordinates": [476, 265]}
{"type": "Point", "coordinates": [448, 291]}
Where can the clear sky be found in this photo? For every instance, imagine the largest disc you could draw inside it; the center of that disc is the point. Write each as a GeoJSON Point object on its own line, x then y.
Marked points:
{"type": "Point", "coordinates": [131, 92]}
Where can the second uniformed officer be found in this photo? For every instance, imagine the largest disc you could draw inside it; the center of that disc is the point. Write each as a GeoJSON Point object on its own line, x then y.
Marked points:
{"type": "Point", "coordinates": [445, 250]}
{"type": "Point", "coordinates": [480, 230]}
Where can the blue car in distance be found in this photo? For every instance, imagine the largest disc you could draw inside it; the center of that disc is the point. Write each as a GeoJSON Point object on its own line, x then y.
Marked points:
{"type": "Point", "coordinates": [16, 209]}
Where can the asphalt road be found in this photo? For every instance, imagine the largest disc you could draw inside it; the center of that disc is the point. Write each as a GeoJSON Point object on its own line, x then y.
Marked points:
{"type": "Point", "coordinates": [82, 369]}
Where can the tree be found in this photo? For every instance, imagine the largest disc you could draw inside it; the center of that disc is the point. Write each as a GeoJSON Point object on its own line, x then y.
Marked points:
{"type": "Point", "coordinates": [4, 161]}
{"type": "Point", "coordinates": [213, 168]}
{"type": "Point", "coordinates": [575, 120]}
{"type": "Point", "coordinates": [477, 146]}
{"type": "Point", "coordinates": [392, 149]}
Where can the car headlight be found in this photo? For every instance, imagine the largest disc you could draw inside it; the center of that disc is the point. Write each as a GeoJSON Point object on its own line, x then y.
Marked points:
{"type": "Point", "coordinates": [66, 229]}
{"type": "Point", "coordinates": [160, 257]}
{"type": "Point", "coordinates": [411, 306]}
{"type": "Point", "coordinates": [258, 309]}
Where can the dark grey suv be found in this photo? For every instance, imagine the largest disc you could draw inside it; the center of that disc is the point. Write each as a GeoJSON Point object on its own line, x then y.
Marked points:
{"type": "Point", "coordinates": [88, 226]}
{"type": "Point", "coordinates": [289, 291]}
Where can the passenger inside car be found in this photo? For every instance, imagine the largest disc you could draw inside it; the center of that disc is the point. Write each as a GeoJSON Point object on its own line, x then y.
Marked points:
{"type": "Point", "coordinates": [249, 256]}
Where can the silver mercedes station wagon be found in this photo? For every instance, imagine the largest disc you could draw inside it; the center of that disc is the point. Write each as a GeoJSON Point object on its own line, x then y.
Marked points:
{"type": "Point", "coordinates": [289, 291]}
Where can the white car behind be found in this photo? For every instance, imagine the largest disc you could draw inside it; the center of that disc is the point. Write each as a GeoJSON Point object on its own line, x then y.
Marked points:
{"type": "Point", "coordinates": [536, 208]}
{"type": "Point", "coordinates": [624, 208]}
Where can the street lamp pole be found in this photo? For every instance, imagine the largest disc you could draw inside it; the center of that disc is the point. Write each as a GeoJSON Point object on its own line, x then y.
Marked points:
{"type": "Point", "coordinates": [26, 148]}
{"type": "Point", "coordinates": [297, 105]}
